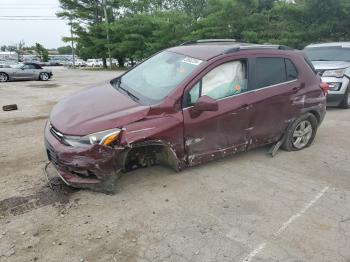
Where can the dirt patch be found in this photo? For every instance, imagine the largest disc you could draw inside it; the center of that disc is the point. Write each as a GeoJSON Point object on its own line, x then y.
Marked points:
{"type": "Point", "coordinates": [58, 193]}
{"type": "Point", "coordinates": [44, 85]}
{"type": "Point", "coordinates": [25, 120]}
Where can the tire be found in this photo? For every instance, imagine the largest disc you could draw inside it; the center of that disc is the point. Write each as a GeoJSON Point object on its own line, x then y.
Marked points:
{"type": "Point", "coordinates": [4, 77]}
{"type": "Point", "coordinates": [44, 77]}
{"type": "Point", "coordinates": [301, 133]}
{"type": "Point", "coordinates": [346, 101]}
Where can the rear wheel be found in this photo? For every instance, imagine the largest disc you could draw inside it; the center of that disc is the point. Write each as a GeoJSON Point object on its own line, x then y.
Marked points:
{"type": "Point", "coordinates": [44, 76]}
{"type": "Point", "coordinates": [4, 77]}
{"type": "Point", "coordinates": [346, 101]}
{"type": "Point", "coordinates": [301, 133]}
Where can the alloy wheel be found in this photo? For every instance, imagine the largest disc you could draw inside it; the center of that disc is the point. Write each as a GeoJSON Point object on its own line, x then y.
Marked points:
{"type": "Point", "coordinates": [44, 76]}
{"type": "Point", "coordinates": [3, 77]}
{"type": "Point", "coordinates": [302, 134]}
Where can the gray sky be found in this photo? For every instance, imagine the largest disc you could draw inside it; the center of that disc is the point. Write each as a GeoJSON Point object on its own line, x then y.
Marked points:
{"type": "Point", "coordinates": [47, 32]}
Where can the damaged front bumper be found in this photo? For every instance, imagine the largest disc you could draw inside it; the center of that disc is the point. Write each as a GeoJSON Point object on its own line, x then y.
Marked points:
{"type": "Point", "coordinates": [84, 167]}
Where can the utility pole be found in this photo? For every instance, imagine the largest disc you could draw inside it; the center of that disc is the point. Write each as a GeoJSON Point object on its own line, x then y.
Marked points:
{"type": "Point", "coordinates": [72, 42]}
{"type": "Point", "coordinates": [107, 29]}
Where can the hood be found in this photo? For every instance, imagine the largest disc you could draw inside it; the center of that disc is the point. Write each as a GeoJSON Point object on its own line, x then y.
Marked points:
{"type": "Point", "coordinates": [95, 109]}
{"type": "Point", "coordinates": [330, 65]}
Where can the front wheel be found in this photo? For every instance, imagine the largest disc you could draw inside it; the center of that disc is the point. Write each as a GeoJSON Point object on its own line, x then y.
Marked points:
{"type": "Point", "coordinates": [44, 76]}
{"type": "Point", "coordinates": [346, 102]}
{"type": "Point", "coordinates": [3, 77]}
{"type": "Point", "coordinates": [301, 133]}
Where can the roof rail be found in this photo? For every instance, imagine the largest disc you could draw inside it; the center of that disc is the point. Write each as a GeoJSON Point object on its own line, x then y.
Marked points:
{"type": "Point", "coordinates": [257, 47]}
{"type": "Point", "coordinates": [203, 41]}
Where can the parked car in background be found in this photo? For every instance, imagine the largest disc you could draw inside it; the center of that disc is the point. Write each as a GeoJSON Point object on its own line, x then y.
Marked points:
{"type": "Point", "coordinates": [94, 62]}
{"type": "Point", "coordinates": [26, 71]}
{"type": "Point", "coordinates": [80, 63]}
{"type": "Point", "coordinates": [185, 106]}
{"type": "Point", "coordinates": [332, 63]}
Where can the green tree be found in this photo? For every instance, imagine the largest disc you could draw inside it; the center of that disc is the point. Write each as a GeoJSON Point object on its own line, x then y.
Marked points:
{"type": "Point", "coordinates": [65, 50]}
{"type": "Point", "coordinates": [42, 52]}
{"type": "Point", "coordinates": [140, 28]}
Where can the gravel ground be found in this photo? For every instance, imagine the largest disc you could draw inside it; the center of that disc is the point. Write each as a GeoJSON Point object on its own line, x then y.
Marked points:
{"type": "Point", "coordinates": [248, 207]}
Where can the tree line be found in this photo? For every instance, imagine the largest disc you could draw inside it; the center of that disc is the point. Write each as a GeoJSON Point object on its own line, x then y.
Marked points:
{"type": "Point", "coordinates": [135, 29]}
{"type": "Point", "coordinates": [37, 49]}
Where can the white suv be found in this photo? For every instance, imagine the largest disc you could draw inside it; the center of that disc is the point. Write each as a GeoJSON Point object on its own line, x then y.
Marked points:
{"type": "Point", "coordinates": [332, 63]}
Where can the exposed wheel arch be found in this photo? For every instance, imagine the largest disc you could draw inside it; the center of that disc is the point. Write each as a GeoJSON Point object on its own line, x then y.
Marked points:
{"type": "Point", "coordinates": [149, 153]}
{"type": "Point", "coordinates": [317, 115]}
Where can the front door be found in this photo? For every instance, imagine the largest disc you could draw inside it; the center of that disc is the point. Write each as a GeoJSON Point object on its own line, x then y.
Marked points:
{"type": "Point", "coordinates": [28, 71]}
{"type": "Point", "coordinates": [213, 134]}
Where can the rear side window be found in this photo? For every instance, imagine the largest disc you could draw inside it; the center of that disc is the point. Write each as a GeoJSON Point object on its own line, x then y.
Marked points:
{"type": "Point", "coordinates": [273, 71]}
{"type": "Point", "coordinates": [308, 61]}
{"type": "Point", "coordinates": [291, 70]}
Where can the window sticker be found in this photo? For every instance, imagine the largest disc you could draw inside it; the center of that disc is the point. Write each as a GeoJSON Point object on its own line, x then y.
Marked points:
{"type": "Point", "coordinates": [192, 61]}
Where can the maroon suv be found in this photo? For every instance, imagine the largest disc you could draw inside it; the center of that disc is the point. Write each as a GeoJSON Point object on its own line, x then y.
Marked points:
{"type": "Point", "coordinates": [185, 106]}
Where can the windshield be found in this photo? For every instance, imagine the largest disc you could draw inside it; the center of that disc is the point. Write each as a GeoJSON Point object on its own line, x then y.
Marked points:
{"type": "Point", "coordinates": [157, 77]}
{"type": "Point", "coordinates": [330, 53]}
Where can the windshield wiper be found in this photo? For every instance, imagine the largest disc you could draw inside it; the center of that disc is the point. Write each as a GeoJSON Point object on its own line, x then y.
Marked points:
{"type": "Point", "coordinates": [131, 95]}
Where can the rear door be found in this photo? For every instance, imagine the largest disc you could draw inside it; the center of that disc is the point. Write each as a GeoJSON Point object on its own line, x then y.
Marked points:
{"type": "Point", "coordinates": [275, 83]}
{"type": "Point", "coordinates": [215, 134]}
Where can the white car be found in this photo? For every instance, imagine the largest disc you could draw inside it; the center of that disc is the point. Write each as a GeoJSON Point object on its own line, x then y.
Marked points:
{"type": "Point", "coordinates": [332, 63]}
{"type": "Point", "coordinates": [94, 63]}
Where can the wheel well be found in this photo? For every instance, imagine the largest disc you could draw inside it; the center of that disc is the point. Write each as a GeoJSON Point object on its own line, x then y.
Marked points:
{"type": "Point", "coordinates": [145, 155]}
{"type": "Point", "coordinates": [4, 73]}
{"type": "Point", "coordinates": [317, 115]}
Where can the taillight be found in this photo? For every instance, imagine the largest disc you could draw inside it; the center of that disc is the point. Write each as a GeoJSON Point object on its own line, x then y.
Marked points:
{"type": "Point", "coordinates": [325, 88]}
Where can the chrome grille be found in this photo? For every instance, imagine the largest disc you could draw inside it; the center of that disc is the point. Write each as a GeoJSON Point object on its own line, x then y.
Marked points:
{"type": "Point", "coordinates": [51, 154]}
{"type": "Point", "coordinates": [56, 133]}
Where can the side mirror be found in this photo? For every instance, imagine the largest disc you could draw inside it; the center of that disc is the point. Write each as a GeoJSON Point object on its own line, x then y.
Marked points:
{"type": "Point", "coordinates": [205, 103]}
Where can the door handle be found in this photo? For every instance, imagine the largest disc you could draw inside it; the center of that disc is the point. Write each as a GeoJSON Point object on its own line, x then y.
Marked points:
{"type": "Point", "coordinates": [244, 107]}
{"type": "Point", "coordinates": [298, 88]}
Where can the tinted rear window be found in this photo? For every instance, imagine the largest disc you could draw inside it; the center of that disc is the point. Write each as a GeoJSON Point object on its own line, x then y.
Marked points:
{"type": "Point", "coordinates": [269, 71]}
{"type": "Point", "coordinates": [273, 71]}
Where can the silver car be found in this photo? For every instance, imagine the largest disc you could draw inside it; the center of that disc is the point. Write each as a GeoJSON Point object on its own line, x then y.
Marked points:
{"type": "Point", "coordinates": [26, 71]}
{"type": "Point", "coordinates": [332, 63]}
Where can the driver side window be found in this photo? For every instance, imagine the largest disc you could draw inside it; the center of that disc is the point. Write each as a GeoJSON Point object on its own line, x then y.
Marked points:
{"type": "Point", "coordinates": [28, 67]}
{"type": "Point", "coordinates": [226, 80]}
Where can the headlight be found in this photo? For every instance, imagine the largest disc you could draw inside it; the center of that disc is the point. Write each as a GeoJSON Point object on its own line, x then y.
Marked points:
{"type": "Point", "coordinates": [334, 73]}
{"type": "Point", "coordinates": [102, 138]}
{"type": "Point", "coordinates": [334, 86]}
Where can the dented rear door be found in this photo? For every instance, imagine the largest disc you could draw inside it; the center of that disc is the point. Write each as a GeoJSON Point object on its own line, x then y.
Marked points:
{"type": "Point", "coordinates": [275, 84]}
